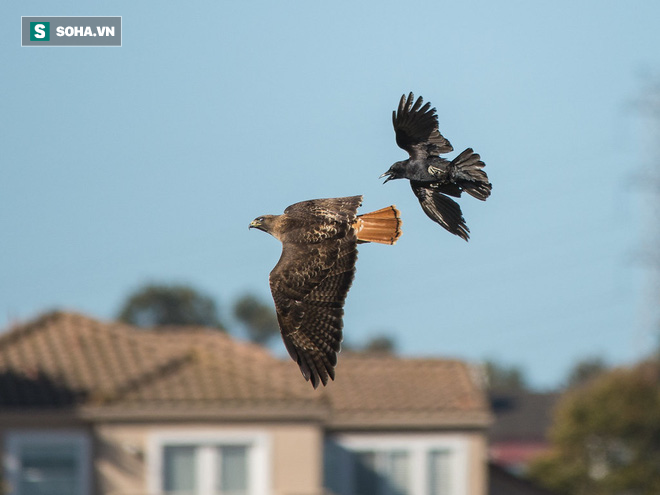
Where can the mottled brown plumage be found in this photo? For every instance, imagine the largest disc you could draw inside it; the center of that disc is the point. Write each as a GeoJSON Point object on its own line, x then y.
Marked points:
{"type": "Point", "coordinates": [311, 280]}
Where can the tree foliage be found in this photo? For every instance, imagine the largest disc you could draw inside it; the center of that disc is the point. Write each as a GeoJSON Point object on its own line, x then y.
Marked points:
{"type": "Point", "coordinates": [606, 436]}
{"type": "Point", "coordinates": [156, 305]}
{"type": "Point", "coordinates": [585, 371]}
{"type": "Point", "coordinates": [380, 344]}
{"type": "Point", "coordinates": [258, 318]}
{"type": "Point", "coordinates": [503, 377]}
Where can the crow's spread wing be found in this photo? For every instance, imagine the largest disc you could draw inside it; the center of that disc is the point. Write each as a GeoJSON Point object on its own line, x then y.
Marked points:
{"type": "Point", "coordinates": [416, 128]}
{"type": "Point", "coordinates": [309, 286]}
{"type": "Point", "coordinates": [440, 208]}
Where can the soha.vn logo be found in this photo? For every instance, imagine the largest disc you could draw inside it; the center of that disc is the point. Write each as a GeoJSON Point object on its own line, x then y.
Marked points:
{"type": "Point", "coordinates": [40, 31]}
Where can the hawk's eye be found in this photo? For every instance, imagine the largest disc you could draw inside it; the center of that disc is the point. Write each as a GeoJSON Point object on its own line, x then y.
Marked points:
{"type": "Point", "coordinates": [260, 219]}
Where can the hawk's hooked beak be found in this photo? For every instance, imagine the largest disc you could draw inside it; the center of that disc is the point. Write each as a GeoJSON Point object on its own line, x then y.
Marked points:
{"type": "Point", "coordinates": [261, 223]}
{"type": "Point", "coordinates": [388, 174]}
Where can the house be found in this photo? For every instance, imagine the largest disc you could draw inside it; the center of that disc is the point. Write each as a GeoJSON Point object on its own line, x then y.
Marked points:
{"type": "Point", "coordinates": [520, 430]}
{"type": "Point", "coordinates": [91, 407]}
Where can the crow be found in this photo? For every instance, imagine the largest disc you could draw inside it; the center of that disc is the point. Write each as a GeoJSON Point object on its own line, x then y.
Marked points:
{"type": "Point", "coordinates": [433, 178]}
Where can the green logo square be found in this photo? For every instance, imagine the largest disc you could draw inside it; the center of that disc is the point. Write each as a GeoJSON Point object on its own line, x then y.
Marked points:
{"type": "Point", "coordinates": [40, 31]}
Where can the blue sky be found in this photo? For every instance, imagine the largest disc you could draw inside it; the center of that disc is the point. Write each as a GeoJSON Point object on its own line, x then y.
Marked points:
{"type": "Point", "coordinates": [147, 162]}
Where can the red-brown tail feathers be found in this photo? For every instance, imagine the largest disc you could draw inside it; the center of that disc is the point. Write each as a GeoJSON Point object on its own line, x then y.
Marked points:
{"type": "Point", "coordinates": [382, 226]}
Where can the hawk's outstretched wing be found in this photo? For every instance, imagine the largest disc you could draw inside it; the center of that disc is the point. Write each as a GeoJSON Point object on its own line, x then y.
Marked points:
{"type": "Point", "coordinates": [416, 128]}
{"type": "Point", "coordinates": [323, 218]}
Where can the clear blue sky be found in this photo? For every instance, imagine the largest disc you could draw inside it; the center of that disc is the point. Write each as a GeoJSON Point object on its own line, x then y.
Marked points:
{"type": "Point", "coordinates": [147, 162]}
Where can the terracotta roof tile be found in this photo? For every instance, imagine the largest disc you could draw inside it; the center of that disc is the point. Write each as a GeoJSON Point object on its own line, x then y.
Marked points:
{"type": "Point", "coordinates": [90, 362]}
{"type": "Point", "coordinates": [70, 360]}
{"type": "Point", "coordinates": [397, 391]}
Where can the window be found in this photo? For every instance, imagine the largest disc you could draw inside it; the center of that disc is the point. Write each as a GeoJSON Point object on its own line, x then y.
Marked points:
{"type": "Point", "coordinates": [47, 463]}
{"type": "Point", "coordinates": [209, 464]}
{"type": "Point", "coordinates": [182, 472]}
{"type": "Point", "coordinates": [439, 471]}
{"type": "Point", "coordinates": [232, 465]}
{"type": "Point", "coordinates": [179, 473]}
{"type": "Point", "coordinates": [381, 473]}
{"type": "Point", "coordinates": [396, 465]}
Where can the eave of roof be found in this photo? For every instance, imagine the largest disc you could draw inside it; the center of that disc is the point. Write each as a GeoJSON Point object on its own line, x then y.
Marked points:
{"type": "Point", "coordinates": [410, 421]}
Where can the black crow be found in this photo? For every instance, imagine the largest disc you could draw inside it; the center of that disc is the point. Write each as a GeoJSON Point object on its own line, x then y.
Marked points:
{"type": "Point", "coordinates": [433, 178]}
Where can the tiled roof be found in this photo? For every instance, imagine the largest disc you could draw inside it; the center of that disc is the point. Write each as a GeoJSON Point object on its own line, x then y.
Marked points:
{"type": "Point", "coordinates": [386, 390]}
{"type": "Point", "coordinates": [113, 370]}
{"type": "Point", "coordinates": [65, 359]}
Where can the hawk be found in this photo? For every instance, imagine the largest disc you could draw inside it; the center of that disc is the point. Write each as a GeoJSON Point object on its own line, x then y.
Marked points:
{"type": "Point", "coordinates": [310, 282]}
{"type": "Point", "coordinates": [432, 178]}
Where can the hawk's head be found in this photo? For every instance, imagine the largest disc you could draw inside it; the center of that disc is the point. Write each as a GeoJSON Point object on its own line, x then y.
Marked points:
{"type": "Point", "coordinates": [267, 223]}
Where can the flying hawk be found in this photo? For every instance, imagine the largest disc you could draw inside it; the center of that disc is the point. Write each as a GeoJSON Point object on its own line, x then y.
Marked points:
{"type": "Point", "coordinates": [312, 278]}
{"type": "Point", "coordinates": [434, 179]}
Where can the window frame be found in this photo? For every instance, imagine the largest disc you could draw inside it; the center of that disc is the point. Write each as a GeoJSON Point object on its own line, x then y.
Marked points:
{"type": "Point", "coordinates": [17, 439]}
{"type": "Point", "coordinates": [418, 447]}
{"type": "Point", "coordinates": [259, 455]}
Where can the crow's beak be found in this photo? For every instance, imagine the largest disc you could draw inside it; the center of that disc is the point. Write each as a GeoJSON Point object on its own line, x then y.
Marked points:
{"type": "Point", "coordinates": [389, 176]}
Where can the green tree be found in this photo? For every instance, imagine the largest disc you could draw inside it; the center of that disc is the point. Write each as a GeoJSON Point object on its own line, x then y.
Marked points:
{"type": "Point", "coordinates": [157, 304]}
{"type": "Point", "coordinates": [503, 377]}
{"type": "Point", "coordinates": [380, 344]}
{"type": "Point", "coordinates": [585, 370]}
{"type": "Point", "coordinates": [258, 318]}
{"type": "Point", "coordinates": [606, 436]}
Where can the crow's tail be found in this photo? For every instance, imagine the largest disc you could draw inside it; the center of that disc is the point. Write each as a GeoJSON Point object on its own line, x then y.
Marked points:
{"type": "Point", "coordinates": [467, 172]}
{"type": "Point", "coordinates": [382, 226]}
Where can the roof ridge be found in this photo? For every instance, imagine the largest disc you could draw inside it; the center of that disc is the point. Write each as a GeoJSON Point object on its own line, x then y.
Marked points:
{"type": "Point", "coordinates": [148, 377]}
{"type": "Point", "coordinates": [211, 333]}
{"type": "Point", "coordinates": [259, 379]}
{"type": "Point", "coordinates": [19, 329]}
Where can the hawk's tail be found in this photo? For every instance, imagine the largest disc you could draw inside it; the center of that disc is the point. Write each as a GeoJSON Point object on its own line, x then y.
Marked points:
{"type": "Point", "coordinates": [467, 171]}
{"type": "Point", "coordinates": [382, 226]}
